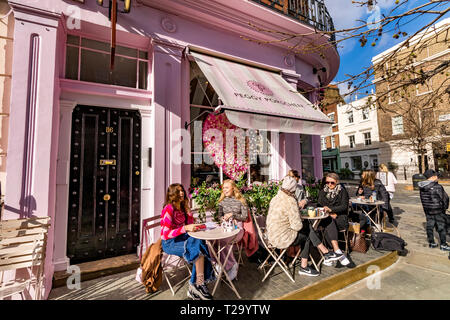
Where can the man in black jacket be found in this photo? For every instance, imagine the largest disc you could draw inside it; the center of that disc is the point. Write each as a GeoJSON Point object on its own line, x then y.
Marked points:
{"type": "Point", "coordinates": [435, 202]}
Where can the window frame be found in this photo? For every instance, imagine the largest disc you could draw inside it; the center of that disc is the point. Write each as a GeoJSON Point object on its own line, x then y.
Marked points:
{"type": "Point", "coordinates": [80, 47]}
{"type": "Point", "coordinates": [367, 140]}
{"type": "Point", "coordinates": [396, 125]}
{"type": "Point", "coordinates": [352, 144]}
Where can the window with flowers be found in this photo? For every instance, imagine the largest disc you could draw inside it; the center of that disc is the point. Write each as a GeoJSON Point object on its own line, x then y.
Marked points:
{"type": "Point", "coordinates": [211, 159]}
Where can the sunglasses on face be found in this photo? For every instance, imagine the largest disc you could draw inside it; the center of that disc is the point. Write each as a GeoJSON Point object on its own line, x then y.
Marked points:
{"type": "Point", "coordinates": [330, 182]}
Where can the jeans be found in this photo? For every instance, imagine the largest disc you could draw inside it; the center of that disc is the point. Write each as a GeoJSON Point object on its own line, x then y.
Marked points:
{"type": "Point", "coordinates": [333, 226]}
{"type": "Point", "coordinates": [190, 249]}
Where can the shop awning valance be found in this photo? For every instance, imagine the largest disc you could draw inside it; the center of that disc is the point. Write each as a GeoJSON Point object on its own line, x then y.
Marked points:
{"type": "Point", "coordinates": [254, 98]}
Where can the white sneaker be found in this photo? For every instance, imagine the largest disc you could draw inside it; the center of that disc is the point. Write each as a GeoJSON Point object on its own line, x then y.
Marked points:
{"type": "Point", "coordinates": [328, 263]}
{"type": "Point", "coordinates": [343, 260]}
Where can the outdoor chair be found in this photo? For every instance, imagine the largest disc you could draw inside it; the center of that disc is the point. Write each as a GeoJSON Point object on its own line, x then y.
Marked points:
{"type": "Point", "coordinates": [170, 263]}
{"type": "Point", "coordinates": [277, 257]}
{"type": "Point", "coordinates": [22, 245]}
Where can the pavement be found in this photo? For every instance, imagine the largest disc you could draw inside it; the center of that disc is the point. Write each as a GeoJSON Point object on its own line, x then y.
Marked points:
{"type": "Point", "coordinates": [423, 274]}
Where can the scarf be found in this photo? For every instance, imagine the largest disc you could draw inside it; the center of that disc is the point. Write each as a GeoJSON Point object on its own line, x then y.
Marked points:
{"type": "Point", "coordinates": [291, 194]}
{"type": "Point", "coordinates": [332, 193]}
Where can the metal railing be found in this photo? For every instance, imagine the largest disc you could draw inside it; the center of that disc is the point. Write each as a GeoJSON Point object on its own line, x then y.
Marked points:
{"type": "Point", "coordinates": [312, 12]}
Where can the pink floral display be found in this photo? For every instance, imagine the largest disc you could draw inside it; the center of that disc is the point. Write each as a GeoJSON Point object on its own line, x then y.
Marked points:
{"type": "Point", "coordinates": [234, 166]}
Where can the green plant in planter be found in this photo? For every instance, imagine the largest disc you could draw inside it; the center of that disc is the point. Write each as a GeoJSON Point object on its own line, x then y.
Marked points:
{"type": "Point", "coordinates": [312, 188]}
{"type": "Point", "coordinates": [206, 198]}
{"type": "Point", "coordinates": [258, 196]}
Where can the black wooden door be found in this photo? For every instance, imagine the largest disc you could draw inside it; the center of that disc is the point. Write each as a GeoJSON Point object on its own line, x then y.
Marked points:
{"type": "Point", "coordinates": [104, 192]}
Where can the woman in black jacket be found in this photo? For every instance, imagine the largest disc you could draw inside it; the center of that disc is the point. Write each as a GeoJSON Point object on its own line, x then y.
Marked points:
{"type": "Point", "coordinates": [370, 184]}
{"type": "Point", "coordinates": [334, 198]}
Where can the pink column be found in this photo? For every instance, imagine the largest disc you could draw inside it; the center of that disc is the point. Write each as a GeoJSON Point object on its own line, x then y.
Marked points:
{"type": "Point", "coordinates": [33, 131]}
{"type": "Point", "coordinates": [167, 75]}
{"type": "Point", "coordinates": [292, 141]}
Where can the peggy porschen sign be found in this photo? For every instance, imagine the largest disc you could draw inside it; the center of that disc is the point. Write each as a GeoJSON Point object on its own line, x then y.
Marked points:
{"type": "Point", "coordinates": [260, 88]}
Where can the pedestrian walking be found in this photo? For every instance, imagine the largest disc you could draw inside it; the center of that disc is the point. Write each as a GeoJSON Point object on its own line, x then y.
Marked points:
{"type": "Point", "coordinates": [388, 179]}
{"type": "Point", "coordinates": [434, 202]}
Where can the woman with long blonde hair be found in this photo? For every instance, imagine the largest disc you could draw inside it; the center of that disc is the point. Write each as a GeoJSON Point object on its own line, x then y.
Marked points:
{"type": "Point", "coordinates": [232, 205]}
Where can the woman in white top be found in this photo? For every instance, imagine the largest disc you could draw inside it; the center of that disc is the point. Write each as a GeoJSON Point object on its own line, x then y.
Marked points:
{"type": "Point", "coordinates": [388, 179]}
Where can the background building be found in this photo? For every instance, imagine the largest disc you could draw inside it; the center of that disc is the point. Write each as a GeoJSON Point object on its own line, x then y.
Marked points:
{"type": "Point", "coordinates": [358, 135]}
{"type": "Point", "coordinates": [330, 143]}
{"type": "Point", "coordinates": [415, 116]}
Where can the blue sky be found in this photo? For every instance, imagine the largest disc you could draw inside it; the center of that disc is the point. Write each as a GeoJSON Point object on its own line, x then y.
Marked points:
{"type": "Point", "coordinates": [355, 58]}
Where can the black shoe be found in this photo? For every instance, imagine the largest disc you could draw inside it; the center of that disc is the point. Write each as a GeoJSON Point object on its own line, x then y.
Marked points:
{"type": "Point", "coordinates": [445, 247]}
{"type": "Point", "coordinates": [201, 291]}
{"type": "Point", "coordinates": [350, 265]}
{"type": "Point", "coordinates": [391, 221]}
{"type": "Point", "coordinates": [332, 256]}
{"type": "Point", "coordinates": [308, 271]}
{"type": "Point", "coordinates": [432, 245]}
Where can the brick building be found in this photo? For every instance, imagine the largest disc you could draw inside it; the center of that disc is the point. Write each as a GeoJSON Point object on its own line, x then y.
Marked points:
{"type": "Point", "coordinates": [414, 117]}
{"type": "Point", "coordinates": [330, 143]}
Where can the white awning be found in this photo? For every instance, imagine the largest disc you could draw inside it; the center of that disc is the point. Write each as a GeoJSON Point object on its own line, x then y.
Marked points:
{"type": "Point", "coordinates": [259, 99]}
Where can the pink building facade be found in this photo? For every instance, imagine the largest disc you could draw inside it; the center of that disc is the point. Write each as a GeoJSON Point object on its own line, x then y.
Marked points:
{"type": "Point", "coordinates": [58, 94]}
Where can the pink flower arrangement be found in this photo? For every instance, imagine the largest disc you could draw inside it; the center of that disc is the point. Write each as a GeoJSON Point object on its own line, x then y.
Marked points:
{"type": "Point", "coordinates": [233, 166]}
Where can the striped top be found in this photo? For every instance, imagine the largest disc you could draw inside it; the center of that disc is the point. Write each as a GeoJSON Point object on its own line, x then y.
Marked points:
{"type": "Point", "coordinates": [233, 205]}
{"type": "Point", "coordinates": [173, 222]}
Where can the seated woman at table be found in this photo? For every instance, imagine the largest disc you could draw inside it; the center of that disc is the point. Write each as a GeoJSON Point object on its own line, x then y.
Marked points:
{"type": "Point", "coordinates": [300, 194]}
{"type": "Point", "coordinates": [357, 214]}
{"type": "Point", "coordinates": [335, 200]}
{"type": "Point", "coordinates": [176, 221]}
{"type": "Point", "coordinates": [371, 184]}
{"type": "Point", "coordinates": [232, 205]}
{"type": "Point", "coordinates": [285, 227]}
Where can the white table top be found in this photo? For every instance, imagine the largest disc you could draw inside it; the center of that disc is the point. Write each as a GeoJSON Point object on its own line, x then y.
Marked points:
{"type": "Point", "coordinates": [367, 202]}
{"type": "Point", "coordinates": [213, 234]}
{"type": "Point", "coordinates": [315, 218]}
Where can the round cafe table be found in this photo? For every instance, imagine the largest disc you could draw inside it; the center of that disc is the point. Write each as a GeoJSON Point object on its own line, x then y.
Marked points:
{"type": "Point", "coordinates": [375, 207]}
{"type": "Point", "coordinates": [211, 237]}
{"type": "Point", "coordinates": [314, 222]}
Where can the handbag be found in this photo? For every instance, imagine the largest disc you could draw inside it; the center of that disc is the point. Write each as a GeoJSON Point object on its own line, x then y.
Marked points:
{"type": "Point", "coordinates": [358, 243]}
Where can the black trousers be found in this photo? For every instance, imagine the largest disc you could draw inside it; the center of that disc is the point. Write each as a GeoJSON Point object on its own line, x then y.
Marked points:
{"type": "Point", "coordinates": [305, 237]}
{"type": "Point", "coordinates": [438, 222]}
{"type": "Point", "coordinates": [333, 226]}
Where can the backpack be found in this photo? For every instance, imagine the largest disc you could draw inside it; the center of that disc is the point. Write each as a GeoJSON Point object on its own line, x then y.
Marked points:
{"type": "Point", "coordinates": [388, 242]}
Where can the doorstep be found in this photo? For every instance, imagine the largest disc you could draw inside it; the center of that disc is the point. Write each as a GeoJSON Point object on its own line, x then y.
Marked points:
{"type": "Point", "coordinates": [99, 268]}
{"type": "Point", "coordinates": [341, 280]}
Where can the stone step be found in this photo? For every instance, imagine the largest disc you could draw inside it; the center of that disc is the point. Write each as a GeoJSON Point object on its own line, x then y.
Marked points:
{"type": "Point", "coordinates": [99, 268]}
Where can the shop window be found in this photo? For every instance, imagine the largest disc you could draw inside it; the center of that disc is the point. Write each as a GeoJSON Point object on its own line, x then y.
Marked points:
{"type": "Point", "coordinates": [307, 156]}
{"type": "Point", "coordinates": [89, 60]}
{"type": "Point", "coordinates": [356, 163]}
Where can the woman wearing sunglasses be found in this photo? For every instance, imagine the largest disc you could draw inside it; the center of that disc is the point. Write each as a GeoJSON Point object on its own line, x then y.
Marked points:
{"type": "Point", "coordinates": [334, 198]}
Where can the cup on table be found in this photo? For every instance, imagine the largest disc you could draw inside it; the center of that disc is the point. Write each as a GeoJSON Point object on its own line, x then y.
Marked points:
{"type": "Point", "coordinates": [311, 212]}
